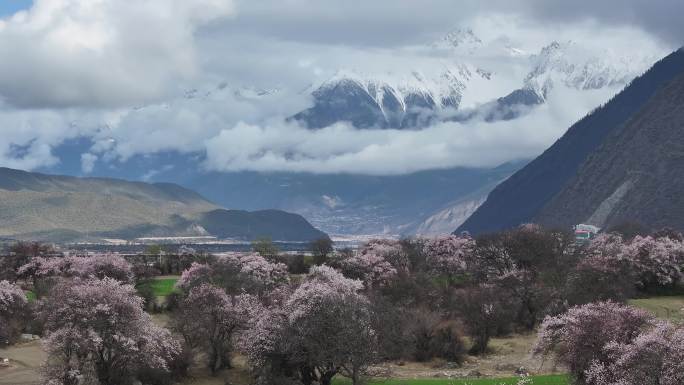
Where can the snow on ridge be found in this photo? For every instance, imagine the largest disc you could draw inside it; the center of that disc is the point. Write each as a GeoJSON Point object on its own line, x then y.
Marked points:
{"type": "Point", "coordinates": [575, 66]}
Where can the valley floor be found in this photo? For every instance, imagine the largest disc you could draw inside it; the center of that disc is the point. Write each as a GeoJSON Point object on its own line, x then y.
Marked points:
{"type": "Point", "coordinates": [508, 355]}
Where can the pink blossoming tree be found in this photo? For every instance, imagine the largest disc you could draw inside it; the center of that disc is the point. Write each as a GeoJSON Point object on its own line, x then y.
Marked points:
{"type": "Point", "coordinates": [370, 268]}
{"type": "Point", "coordinates": [236, 273]}
{"type": "Point", "coordinates": [391, 250]}
{"type": "Point", "coordinates": [210, 320]}
{"type": "Point", "coordinates": [324, 328]}
{"type": "Point", "coordinates": [578, 338]}
{"type": "Point", "coordinates": [97, 266]}
{"type": "Point", "coordinates": [13, 310]}
{"type": "Point", "coordinates": [449, 255]}
{"type": "Point", "coordinates": [97, 332]}
{"type": "Point", "coordinates": [655, 357]}
{"type": "Point", "coordinates": [657, 261]}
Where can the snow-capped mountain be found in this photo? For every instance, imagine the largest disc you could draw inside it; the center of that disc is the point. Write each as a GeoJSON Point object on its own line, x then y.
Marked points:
{"type": "Point", "coordinates": [466, 78]}
{"type": "Point", "coordinates": [460, 77]}
{"type": "Point", "coordinates": [573, 66]}
{"type": "Point", "coordinates": [459, 40]}
{"type": "Point", "coordinates": [388, 100]}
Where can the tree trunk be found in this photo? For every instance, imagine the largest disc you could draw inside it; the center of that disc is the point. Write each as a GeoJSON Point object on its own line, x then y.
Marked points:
{"type": "Point", "coordinates": [356, 380]}
{"type": "Point", "coordinates": [326, 378]}
{"type": "Point", "coordinates": [213, 360]}
{"type": "Point", "coordinates": [307, 375]}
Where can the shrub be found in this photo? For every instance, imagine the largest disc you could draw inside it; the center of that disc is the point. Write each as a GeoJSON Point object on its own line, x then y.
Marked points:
{"type": "Point", "coordinates": [485, 314]}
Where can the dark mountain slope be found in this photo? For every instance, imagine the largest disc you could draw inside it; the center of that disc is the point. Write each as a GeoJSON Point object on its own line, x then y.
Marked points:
{"type": "Point", "coordinates": [275, 224]}
{"type": "Point", "coordinates": [636, 175]}
{"type": "Point", "coordinates": [61, 208]}
{"type": "Point", "coordinates": [520, 198]}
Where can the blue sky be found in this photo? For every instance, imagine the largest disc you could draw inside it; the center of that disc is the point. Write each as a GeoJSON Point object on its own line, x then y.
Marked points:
{"type": "Point", "coordinates": [8, 7]}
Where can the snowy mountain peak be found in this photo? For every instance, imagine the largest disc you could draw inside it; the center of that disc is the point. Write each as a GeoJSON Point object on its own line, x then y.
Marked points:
{"type": "Point", "coordinates": [581, 68]}
{"type": "Point", "coordinates": [442, 90]}
{"type": "Point", "coordinates": [462, 39]}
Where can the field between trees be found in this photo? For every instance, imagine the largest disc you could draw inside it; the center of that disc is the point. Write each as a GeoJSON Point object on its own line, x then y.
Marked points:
{"type": "Point", "coordinates": [507, 353]}
{"type": "Point", "coordinates": [163, 286]}
{"type": "Point", "coordinates": [666, 307]}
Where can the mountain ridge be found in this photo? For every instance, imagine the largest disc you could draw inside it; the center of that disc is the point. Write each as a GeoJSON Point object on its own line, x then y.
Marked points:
{"type": "Point", "coordinates": [521, 197]}
{"type": "Point", "coordinates": [40, 206]}
{"type": "Point", "coordinates": [636, 175]}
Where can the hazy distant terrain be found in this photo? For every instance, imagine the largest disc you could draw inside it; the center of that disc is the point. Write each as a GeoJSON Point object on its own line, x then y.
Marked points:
{"type": "Point", "coordinates": [56, 208]}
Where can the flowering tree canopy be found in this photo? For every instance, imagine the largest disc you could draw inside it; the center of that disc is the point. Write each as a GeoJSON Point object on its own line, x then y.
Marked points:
{"type": "Point", "coordinates": [98, 266]}
{"type": "Point", "coordinates": [655, 357]}
{"type": "Point", "coordinates": [578, 337]}
{"type": "Point", "coordinates": [657, 261]}
{"type": "Point", "coordinates": [449, 254]}
{"type": "Point", "coordinates": [13, 307]}
{"type": "Point", "coordinates": [236, 273]}
{"type": "Point", "coordinates": [391, 250]}
{"type": "Point", "coordinates": [97, 330]}
{"type": "Point", "coordinates": [605, 245]}
{"type": "Point", "coordinates": [324, 328]}
{"type": "Point", "coordinates": [210, 319]}
{"type": "Point", "coordinates": [370, 268]}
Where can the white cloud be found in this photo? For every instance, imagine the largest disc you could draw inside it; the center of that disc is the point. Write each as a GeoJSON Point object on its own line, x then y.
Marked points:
{"type": "Point", "coordinates": [64, 53]}
{"type": "Point", "coordinates": [88, 162]}
{"type": "Point", "coordinates": [81, 68]}
{"type": "Point", "coordinates": [342, 149]}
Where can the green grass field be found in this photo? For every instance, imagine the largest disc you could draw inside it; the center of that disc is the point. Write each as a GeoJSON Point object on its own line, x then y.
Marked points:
{"type": "Point", "coordinates": [164, 286]}
{"type": "Point", "coordinates": [668, 307]}
{"type": "Point", "coordinates": [536, 380]}
{"type": "Point", "coordinates": [30, 296]}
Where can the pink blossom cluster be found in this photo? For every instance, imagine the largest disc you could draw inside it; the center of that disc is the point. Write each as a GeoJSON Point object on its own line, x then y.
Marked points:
{"type": "Point", "coordinates": [13, 303]}
{"type": "Point", "coordinates": [10, 296]}
{"type": "Point", "coordinates": [213, 302]}
{"type": "Point", "coordinates": [578, 337]}
{"type": "Point", "coordinates": [654, 261]}
{"type": "Point", "coordinates": [261, 270]}
{"type": "Point", "coordinates": [195, 275]}
{"type": "Point", "coordinates": [449, 254]}
{"type": "Point", "coordinates": [98, 327]}
{"type": "Point", "coordinates": [268, 332]}
{"type": "Point", "coordinates": [322, 283]}
{"type": "Point", "coordinates": [653, 357]}
{"type": "Point", "coordinates": [370, 268]}
{"type": "Point", "coordinates": [323, 328]}
{"type": "Point", "coordinates": [98, 265]}
{"type": "Point", "coordinates": [605, 245]}
{"type": "Point", "coordinates": [250, 270]}
{"type": "Point", "coordinates": [389, 249]}
{"type": "Point", "coordinates": [265, 336]}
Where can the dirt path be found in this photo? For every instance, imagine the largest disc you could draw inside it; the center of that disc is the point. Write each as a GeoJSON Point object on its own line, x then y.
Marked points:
{"type": "Point", "coordinates": [508, 354]}
{"type": "Point", "coordinates": [25, 361]}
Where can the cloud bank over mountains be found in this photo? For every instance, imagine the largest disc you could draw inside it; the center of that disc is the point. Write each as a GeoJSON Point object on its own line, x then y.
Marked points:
{"type": "Point", "coordinates": [219, 79]}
